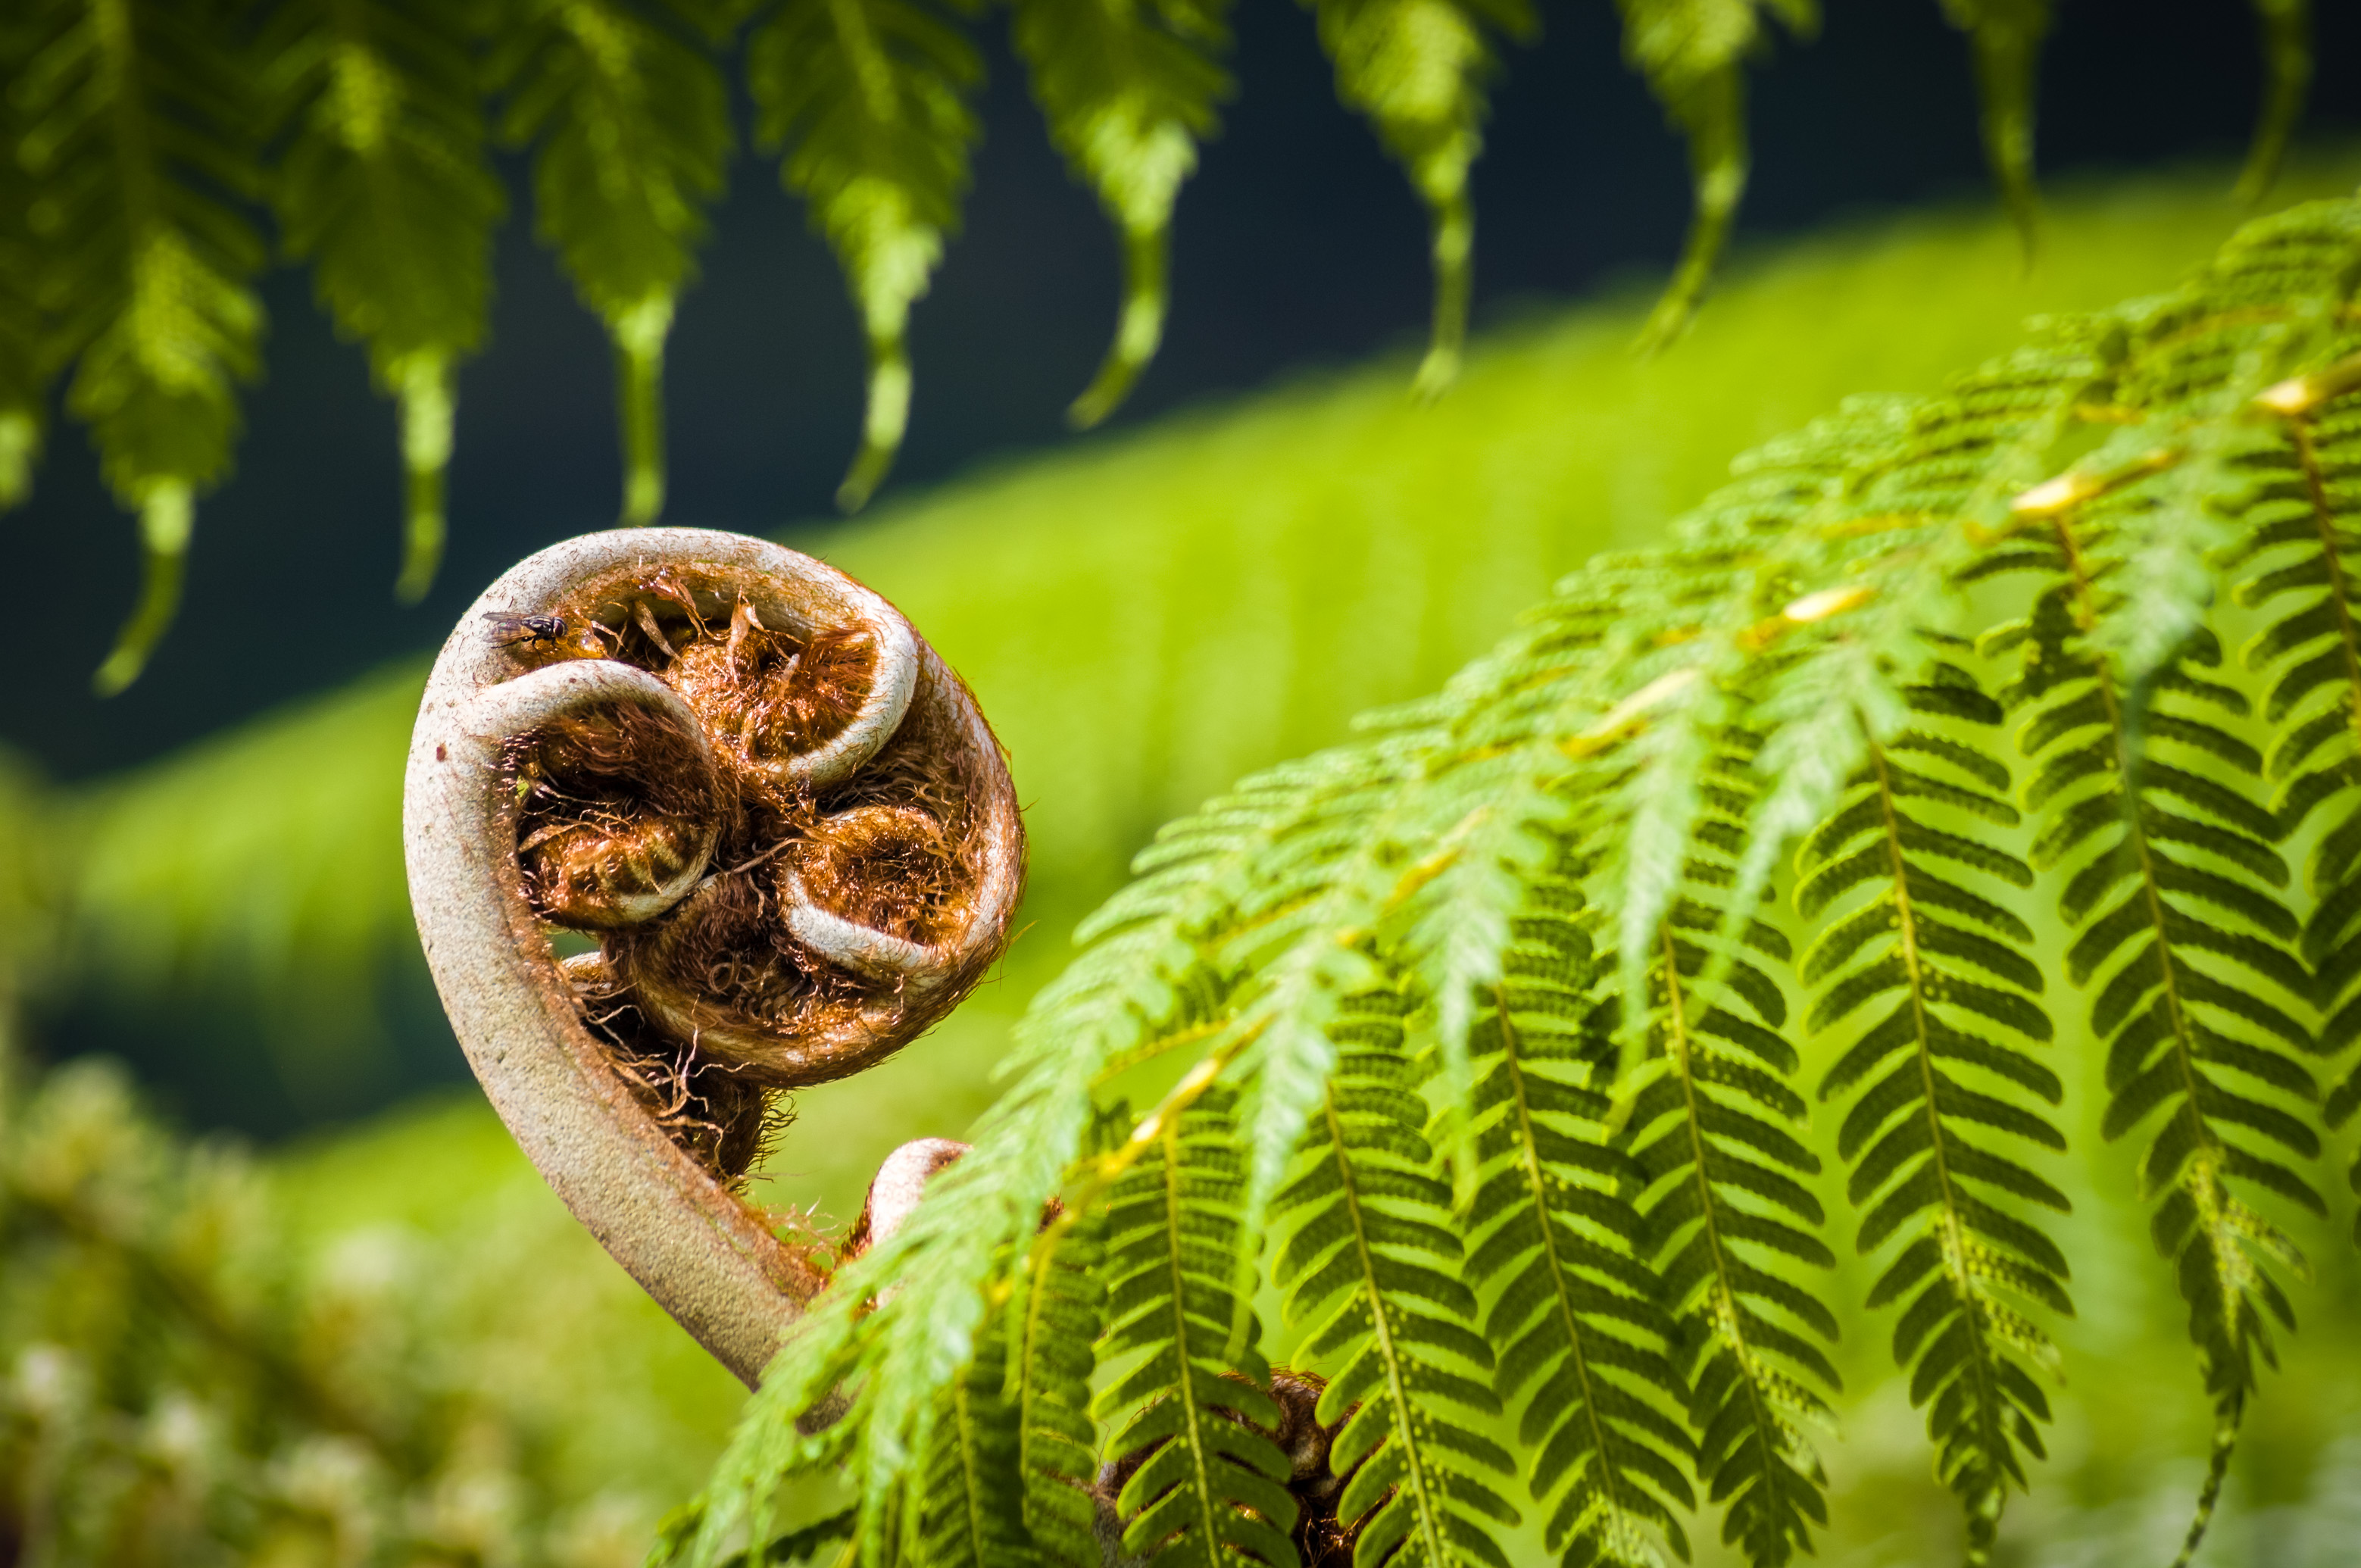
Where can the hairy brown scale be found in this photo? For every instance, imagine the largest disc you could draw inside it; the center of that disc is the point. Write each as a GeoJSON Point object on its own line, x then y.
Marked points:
{"type": "Point", "coordinates": [616, 806]}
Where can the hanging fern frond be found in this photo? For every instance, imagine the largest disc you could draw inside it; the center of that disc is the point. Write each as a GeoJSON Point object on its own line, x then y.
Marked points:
{"type": "Point", "coordinates": [2005, 38]}
{"type": "Point", "coordinates": [1209, 1488]}
{"type": "Point", "coordinates": [1128, 89]}
{"type": "Point", "coordinates": [133, 115]}
{"type": "Point", "coordinates": [1726, 1215]}
{"type": "Point", "coordinates": [632, 122]}
{"type": "Point", "coordinates": [1693, 54]}
{"type": "Point", "coordinates": [1573, 1316]}
{"type": "Point", "coordinates": [1945, 968]}
{"type": "Point", "coordinates": [2175, 886]}
{"type": "Point", "coordinates": [2296, 517]}
{"type": "Point", "coordinates": [383, 185]}
{"type": "Point", "coordinates": [2285, 28]}
{"type": "Point", "coordinates": [1372, 1261]}
{"type": "Point", "coordinates": [1418, 69]}
{"type": "Point", "coordinates": [868, 101]}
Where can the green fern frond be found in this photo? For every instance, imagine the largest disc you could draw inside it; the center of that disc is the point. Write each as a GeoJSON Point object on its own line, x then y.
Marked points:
{"type": "Point", "coordinates": [2005, 36]}
{"type": "Point", "coordinates": [2175, 885]}
{"type": "Point", "coordinates": [384, 186]}
{"type": "Point", "coordinates": [1208, 1489]}
{"type": "Point", "coordinates": [1945, 969]}
{"type": "Point", "coordinates": [1128, 89]}
{"type": "Point", "coordinates": [1417, 69]}
{"type": "Point", "coordinates": [1372, 1261]}
{"type": "Point", "coordinates": [868, 100]}
{"type": "Point", "coordinates": [1725, 1210]}
{"type": "Point", "coordinates": [2285, 27]}
{"type": "Point", "coordinates": [132, 119]}
{"type": "Point", "coordinates": [633, 123]}
{"type": "Point", "coordinates": [1693, 53]}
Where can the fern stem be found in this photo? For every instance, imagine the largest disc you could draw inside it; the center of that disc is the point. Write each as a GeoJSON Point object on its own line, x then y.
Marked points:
{"type": "Point", "coordinates": [1983, 1512]}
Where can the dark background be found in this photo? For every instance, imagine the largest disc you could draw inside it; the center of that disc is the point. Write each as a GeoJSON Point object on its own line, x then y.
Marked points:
{"type": "Point", "coordinates": [1297, 242]}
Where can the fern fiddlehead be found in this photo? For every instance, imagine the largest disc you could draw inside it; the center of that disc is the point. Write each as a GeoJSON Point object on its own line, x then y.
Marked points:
{"type": "Point", "coordinates": [1962, 992]}
{"type": "Point", "coordinates": [2174, 886]}
{"type": "Point", "coordinates": [787, 823]}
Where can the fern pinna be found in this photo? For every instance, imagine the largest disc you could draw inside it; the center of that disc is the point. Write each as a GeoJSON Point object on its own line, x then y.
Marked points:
{"type": "Point", "coordinates": [1572, 1313]}
{"type": "Point", "coordinates": [1725, 1209]}
{"type": "Point", "coordinates": [1939, 974]}
{"type": "Point", "coordinates": [2175, 886]}
{"type": "Point", "coordinates": [1209, 1487]}
{"type": "Point", "coordinates": [1372, 1265]}
{"type": "Point", "coordinates": [1504, 982]}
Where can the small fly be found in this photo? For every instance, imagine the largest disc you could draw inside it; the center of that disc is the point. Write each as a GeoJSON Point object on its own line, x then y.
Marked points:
{"type": "Point", "coordinates": [545, 633]}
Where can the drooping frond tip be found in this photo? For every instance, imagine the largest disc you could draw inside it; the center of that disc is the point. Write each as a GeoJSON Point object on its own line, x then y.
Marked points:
{"type": "Point", "coordinates": [1693, 54]}
{"type": "Point", "coordinates": [1128, 92]}
{"type": "Point", "coordinates": [2005, 38]}
{"type": "Point", "coordinates": [167, 516]}
{"type": "Point", "coordinates": [1418, 69]}
{"type": "Point", "coordinates": [2285, 27]}
{"type": "Point", "coordinates": [630, 123]}
{"type": "Point", "coordinates": [868, 100]}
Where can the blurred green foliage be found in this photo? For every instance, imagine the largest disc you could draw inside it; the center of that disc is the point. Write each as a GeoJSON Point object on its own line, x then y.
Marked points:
{"type": "Point", "coordinates": [1144, 619]}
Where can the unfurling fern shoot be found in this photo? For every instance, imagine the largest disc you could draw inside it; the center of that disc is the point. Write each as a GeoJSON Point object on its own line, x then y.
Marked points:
{"type": "Point", "coordinates": [1372, 1263]}
{"type": "Point", "coordinates": [1939, 973]}
{"type": "Point", "coordinates": [2149, 800]}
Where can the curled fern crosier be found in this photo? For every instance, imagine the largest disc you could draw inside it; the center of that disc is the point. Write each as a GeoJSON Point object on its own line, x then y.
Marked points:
{"type": "Point", "coordinates": [788, 829]}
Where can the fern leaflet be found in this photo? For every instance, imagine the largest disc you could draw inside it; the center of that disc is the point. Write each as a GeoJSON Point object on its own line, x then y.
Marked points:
{"type": "Point", "coordinates": [1572, 1318]}
{"type": "Point", "coordinates": [1953, 964]}
{"type": "Point", "coordinates": [1724, 1209]}
{"type": "Point", "coordinates": [868, 99]}
{"type": "Point", "coordinates": [2005, 37]}
{"type": "Point", "coordinates": [129, 110]}
{"type": "Point", "coordinates": [1057, 1442]}
{"type": "Point", "coordinates": [384, 187]}
{"type": "Point", "coordinates": [1372, 1260]}
{"type": "Point", "coordinates": [1211, 1489]}
{"type": "Point", "coordinates": [632, 124]}
{"type": "Point", "coordinates": [1128, 89]}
